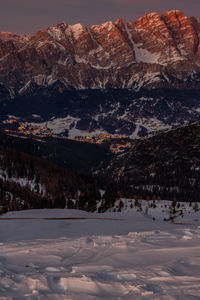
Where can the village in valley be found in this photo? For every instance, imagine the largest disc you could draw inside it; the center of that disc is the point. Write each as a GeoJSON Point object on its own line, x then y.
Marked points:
{"type": "Point", "coordinates": [116, 143]}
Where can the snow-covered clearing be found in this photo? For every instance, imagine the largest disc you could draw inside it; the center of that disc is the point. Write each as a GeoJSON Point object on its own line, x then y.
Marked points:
{"type": "Point", "coordinates": [68, 254]}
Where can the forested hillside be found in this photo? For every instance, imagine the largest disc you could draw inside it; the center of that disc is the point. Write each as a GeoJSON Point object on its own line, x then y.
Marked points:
{"type": "Point", "coordinates": [164, 166]}
{"type": "Point", "coordinates": [75, 156]}
{"type": "Point", "coordinates": [30, 182]}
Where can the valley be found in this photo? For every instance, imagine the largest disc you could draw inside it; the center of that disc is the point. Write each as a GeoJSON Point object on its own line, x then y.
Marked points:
{"type": "Point", "coordinates": [115, 143]}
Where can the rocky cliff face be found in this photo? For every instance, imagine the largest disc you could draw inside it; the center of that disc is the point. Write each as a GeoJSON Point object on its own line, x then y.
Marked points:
{"type": "Point", "coordinates": [155, 52]}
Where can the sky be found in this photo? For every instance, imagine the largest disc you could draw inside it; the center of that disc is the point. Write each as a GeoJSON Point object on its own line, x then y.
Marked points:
{"type": "Point", "coordinates": [28, 16]}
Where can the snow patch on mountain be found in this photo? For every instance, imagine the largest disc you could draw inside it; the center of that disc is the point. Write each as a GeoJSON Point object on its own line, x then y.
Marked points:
{"type": "Point", "coordinates": [84, 60]}
{"type": "Point", "coordinates": [59, 125]}
{"type": "Point", "coordinates": [141, 80]}
{"type": "Point", "coordinates": [39, 80]}
{"type": "Point", "coordinates": [150, 124]}
{"type": "Point", "coordinates": [44, 80]}
{"type": "Point", "coordinates": [143, 55]}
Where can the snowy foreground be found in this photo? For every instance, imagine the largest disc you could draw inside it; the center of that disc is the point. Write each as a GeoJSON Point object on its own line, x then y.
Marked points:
{"type": "Point", "coordinates": [68, 254]}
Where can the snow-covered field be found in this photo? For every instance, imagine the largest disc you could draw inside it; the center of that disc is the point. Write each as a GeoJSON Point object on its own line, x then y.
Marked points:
{"type": "Point", "coordinates": [68, 254]}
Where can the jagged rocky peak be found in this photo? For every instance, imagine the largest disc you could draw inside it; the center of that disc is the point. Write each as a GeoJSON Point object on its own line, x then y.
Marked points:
{"type": "Point", "coordinates": [148, 22]}
{"type": "Point", "coordinates": [107, 26]}
{"type": "Point", "coordinates": [62, 26]}
{"type": "Point", "coordinates": [184, 31]}
{"type": "Point", "coordinates": [77, 30]}
{"type": "Point", "coordinates": [113, 50]}
{"type": "Point", "coordinates": [18, 39]}
{"type": "Point", "coordinates": [55, 32]}
{"type": "Point", "coordinates": [174, 14]}
{"type": "Point", "coordinates": [148, 18]}
{"type": "Point", "coordinates": [6, 47]}
{"type": "Point", "coordinates": [40, 35]}
{"type": "Point", "coordinates": [63, 30]}
{"type": "Point", "coordinates": [120, 23]}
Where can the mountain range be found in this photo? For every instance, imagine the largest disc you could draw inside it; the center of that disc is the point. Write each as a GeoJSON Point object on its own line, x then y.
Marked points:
{"type": "Point", "coordinates": [146, 53]}
{"type": "Point", "coordinates": [118, 77]}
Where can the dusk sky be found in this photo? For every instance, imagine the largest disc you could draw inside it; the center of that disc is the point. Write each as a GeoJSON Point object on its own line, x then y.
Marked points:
{"type": "Point", "coordinates": [27, 16]}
